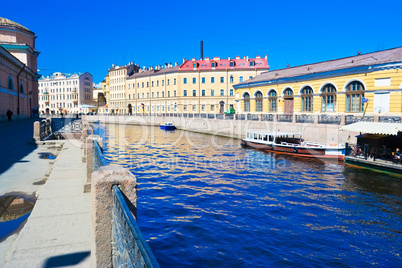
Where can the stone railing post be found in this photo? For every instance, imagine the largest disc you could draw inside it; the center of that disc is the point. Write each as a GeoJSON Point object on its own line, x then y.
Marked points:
{"type": "Point", "coordinates": [343, 120]}
{"type": "Point", "coordinates": [36, 135]}
{"type": "Point", "coordinates": [90, 151]}
{"type": "Point", "coordinates": [102, 206]}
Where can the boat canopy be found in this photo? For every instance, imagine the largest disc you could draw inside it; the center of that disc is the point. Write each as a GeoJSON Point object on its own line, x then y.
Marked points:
{"type": "Point", "coordinates": [374, 128]}
{"type": "Point", "coordinates": [274, 133]}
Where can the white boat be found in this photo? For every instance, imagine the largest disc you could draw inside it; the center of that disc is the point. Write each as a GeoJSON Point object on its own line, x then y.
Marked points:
{"type": "Point", "coordinates": [293, 144]}
{"type": "Point", "coordinates": [167, 126]}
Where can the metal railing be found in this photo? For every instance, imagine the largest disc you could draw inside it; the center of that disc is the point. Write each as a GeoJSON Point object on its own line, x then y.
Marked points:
{"type": "Point", "coordinates": [130, 248]}
{"type": "Point", "coordinates": [390, 119]}
{"type": "Point", "coordinates": [285, 118]}
{"type": "Point", "coordinates": [99, 159]}
{"type": "Point", "coordinates": [328, 119]}
{"type": "Point", "coordinates": [350, 119]}
{"type": "Point", "coordinates": [303, 118]}
{"type": "Point", "coordinates": [45, 129]}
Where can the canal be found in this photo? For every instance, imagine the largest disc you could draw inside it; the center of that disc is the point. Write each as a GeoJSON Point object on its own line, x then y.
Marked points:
{"type": "Point", "coordinates": [204, 201]}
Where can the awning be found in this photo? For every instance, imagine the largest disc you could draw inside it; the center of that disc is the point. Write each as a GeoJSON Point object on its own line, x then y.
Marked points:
{"type": "Point", "coordinates": [374, 128]}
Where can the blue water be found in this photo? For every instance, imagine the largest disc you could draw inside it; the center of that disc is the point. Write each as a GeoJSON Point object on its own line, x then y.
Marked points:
{"type": "Point", "coordinates": [204, 201]}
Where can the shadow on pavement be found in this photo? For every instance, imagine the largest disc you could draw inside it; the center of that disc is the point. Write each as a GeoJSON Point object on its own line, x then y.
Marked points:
{"type": "Point", "coordinates": [15, 138]}
{"type": "Point", "coordinates": [67, 259]}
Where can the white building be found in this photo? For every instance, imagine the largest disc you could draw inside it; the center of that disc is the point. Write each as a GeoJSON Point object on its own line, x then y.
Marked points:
{"type": "Point", "coordinates": [65, 93]}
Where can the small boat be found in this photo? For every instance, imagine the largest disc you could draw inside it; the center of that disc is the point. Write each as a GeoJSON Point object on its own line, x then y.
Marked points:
{"type": "Point", "coordinates": [167, 126]}
{"type": "Point", "coordinates": [293, 144]}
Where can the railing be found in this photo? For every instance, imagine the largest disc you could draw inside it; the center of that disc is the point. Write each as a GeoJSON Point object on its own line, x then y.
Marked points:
{"type": "Point", "coordinates": [240, 117]}
{"type": "Point", "coordinates": [285, 118]}
{"type": "Point", "coordinates": [130, 249]}
{"type": "Point", "coordinates": [45, 129]}
{"type": "Point", "coordinates": [267, 117]}
{"type": "Point", "coordinates": [327, 119]}
{"type": "Point", "coordinates": [390, 119]}
{"type": "Point", "coordinates": [99, 159]}
{"type": "Point", "coordinates": [304, 118]}
{"type": "Point", "coordinates": [350, 119]}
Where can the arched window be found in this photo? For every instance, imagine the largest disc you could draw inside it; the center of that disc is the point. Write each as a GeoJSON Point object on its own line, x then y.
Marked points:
{"type": "Point", "coordinates": [246, 97]}
{"type": "Point", "coordinates": [10, 83]}
{"type": "Point", "coordinates": [272, 97]}
{"type": "Point", "coordinates": [307, 99]}
{"type": "Point", "coordinates": [288, 93]}
{"type": "Point", "coordinates": [354, 97]}
{"type": "Point", "coordinates": [258, 101]}
{"type": "Point", "coordinates": [22, 87]}
{"type": "Point", "coordinates": [328, 97]}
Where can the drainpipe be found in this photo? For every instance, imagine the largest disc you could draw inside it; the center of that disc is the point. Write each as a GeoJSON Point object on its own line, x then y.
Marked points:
{"type": "Point", "coordinates": [18, 89]}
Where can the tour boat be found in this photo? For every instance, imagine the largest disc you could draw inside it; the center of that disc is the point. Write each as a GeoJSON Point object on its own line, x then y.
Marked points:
{"type": "Point", "coordinates": [167, 126]}
{"type": "Point", "coordinates": [293, 144]}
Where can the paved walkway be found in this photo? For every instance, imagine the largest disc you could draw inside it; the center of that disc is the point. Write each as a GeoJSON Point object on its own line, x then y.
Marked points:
{"type": "Point", "coordinates": [58, 230]}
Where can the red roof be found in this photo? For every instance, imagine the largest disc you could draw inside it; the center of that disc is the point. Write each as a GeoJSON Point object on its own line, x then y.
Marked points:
{"type": "Point", "coordinates": [223, 64]}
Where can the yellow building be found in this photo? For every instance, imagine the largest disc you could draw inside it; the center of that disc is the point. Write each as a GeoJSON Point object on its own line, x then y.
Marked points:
{"type": "Point", "coordinates": [196, 86]}
{"type": "Point", "coordinates": [367, 84]}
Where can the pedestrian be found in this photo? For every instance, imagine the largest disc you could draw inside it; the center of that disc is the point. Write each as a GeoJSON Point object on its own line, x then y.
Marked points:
{"type": "Point", "coordinates": [9, 114]}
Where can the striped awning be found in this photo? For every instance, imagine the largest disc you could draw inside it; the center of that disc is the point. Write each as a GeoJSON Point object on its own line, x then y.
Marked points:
{"type": "Point", "coordinates": [374, 128]}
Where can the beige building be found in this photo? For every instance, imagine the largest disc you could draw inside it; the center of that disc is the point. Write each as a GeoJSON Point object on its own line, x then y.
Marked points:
{"type": "Point", "coordinates": [64, 93]}
{"type": "Point", "coordinates": [117, 86]}
{"type": "Point", "coordinates": [18, 65]}
{"type": "Point", "coordinates": [195, 86]}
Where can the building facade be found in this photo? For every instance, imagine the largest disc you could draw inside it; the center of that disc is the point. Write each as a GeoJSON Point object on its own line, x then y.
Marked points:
{"type": "Point", "coordinates": [366, 84]}
{"type": "Point", "coordinates": [195, 86]}
{"type": "Point", "coordinates": [117, 86]}
{"type": "Point", "coordinates": [65, 93]}
{"type": "Point", "coordinates": [18, 69]}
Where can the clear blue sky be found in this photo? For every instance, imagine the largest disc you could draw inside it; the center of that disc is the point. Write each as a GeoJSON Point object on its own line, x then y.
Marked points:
{"type": "Point", "coordinates": [80, 36]}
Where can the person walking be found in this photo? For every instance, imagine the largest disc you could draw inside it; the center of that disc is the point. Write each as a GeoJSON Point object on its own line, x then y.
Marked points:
{"type": "Point", "coordinates": [9, 115]}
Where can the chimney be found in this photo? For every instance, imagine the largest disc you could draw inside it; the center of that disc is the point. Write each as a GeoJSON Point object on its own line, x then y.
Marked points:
{"type": "Point", "coordinates": [175, 64]}
{"type": "Point", "coordinates": [237, 57]}
{"type": "Point", "coordinates": [258, 57]}
{"type": "Point", "coordinates": [358, 53]}
{"type": "Point", "coordinates": [287, 66]}
{"type": "Point", "coordinates": [202, 50]}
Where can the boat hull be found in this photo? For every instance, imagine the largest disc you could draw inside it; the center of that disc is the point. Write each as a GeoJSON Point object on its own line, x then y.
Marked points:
{"type": "Point", "coordinates": [318, 152]}
{"type": "Point", "coordinates": [167, 127]}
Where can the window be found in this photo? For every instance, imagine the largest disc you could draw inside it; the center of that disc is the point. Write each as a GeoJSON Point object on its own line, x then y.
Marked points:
{"type": "Point", "coordinates": [174, 81]}
{"type": "Point", "coordinates": [152, 94]}
{"type": "Point", "coordinates": [203, 92]}
{"type": "Point", "coordinates": [168, 94]}
{"type": "Point", "coordinates": [142, 95]}
{"type": "Point", "coordinates": [212, 108]}
{"type": "Point", "coordinates": [258, 101]}
{"type": "Point", "coordinates": [10, 83]}
{"type": "Point", "coordinates": [354, 97]}
{"type": "Point", "coordinates": [272, 98]}
{"type": "Point", "coordinates": [246, 97]}
{"type": "Point", "coordinates": [231, 92]}
{"type": "Point", "coordinates": [194, 108]}
{"type": "Point", "coordinates": [163, 82]}
{"type": "Point", "coordinates": [194, 65]}
{"type": "Point", "coordinates": [307, 99]}
{"type": "Point", "coordinates": [203, 80]}
{"type": "Point", "coordinates": [185, 108]}
{"type": "Point", "coordinates": [231, 79]}
{"type": "Point", "coordinates": [288, 93]}
{"type": "Point", "coordinates": [212, 92]}
{"type": "Point", "coordinates": [185, 93]}
{"type": "Point", "coordinates": [231, 64]}
{"type": "Point", "coordinates": [163, 94]}
{"type": "Point", "coordinates": [174, 93]}
{"type": "Point", "coordinates": [194, 80]}
{"type": "Point", "coordinates": [213, 64]}
{"type": "Point", "coordinates": [222, 79]}
{"type": "Point", "coordinates": [128, 86]}
{"type": "Point", "coordinates": [168, 82]}
{"type": "Point", "coordinates": [157, 94]}
{"type": "Point", "coordinates": [142, 84]}
{"type": "Point", "coordinates": [251, 63]}
{"type": "Point", "coordinates": [194, 93]}
{"type": "Point", "coordinates": [203, 108]}
{"type": "Point", "coordinates": [152, 83]}
{"type": "Point", "coordinates": [157, 83]}
{"type": "Point", "coordinates": [222, 92]}
{"type": "Point", "coordinates": [212, 80]}
{"type": "Point", "coordinates": [184, 80]}
{"type": "Point", "coordinates": [241, 79]}
{"type": "Point", "coordinates": [147, 95]}
{"type": "Point", "coordinates": [147, 84]}
{"type": "Point", "coordinates": [328, 99]}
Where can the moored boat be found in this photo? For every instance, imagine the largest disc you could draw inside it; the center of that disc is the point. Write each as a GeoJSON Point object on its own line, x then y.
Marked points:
{"type": "Point", "coordinates": [167, 126]}
{"type": "Point", "coordinates": [293, 144]}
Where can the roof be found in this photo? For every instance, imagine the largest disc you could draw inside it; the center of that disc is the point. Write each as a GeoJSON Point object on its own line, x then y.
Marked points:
{"type": "Point", "coordinates": [374, 128]}
{"type": "Point", "coordinates": [224, 64]}
{"type": "Point", "coordinates": [7, 22]}
{"type": "Point", "coordinates": [154, 72]}
{"type": "Point", "coordinates": [370, 59]}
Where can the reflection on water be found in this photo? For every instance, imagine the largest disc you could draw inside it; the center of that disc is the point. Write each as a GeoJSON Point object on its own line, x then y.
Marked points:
{"type": "Point", "coordinates": [13, 211]}
{"type": "Point", "coordinates": [204, 201]}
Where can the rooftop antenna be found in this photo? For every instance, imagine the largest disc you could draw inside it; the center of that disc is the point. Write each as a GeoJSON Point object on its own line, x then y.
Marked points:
{"type": "Point", "coordinates": [202, 50]}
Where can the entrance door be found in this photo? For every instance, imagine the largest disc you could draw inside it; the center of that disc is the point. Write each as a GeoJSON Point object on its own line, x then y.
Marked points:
{"type": "Point", "coordinates": [381, 102]}
{"type": "Point", "coordinates": [221, 106]}
{"type": "Point", "coordinates": [289, 106]}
